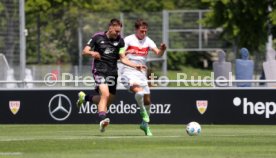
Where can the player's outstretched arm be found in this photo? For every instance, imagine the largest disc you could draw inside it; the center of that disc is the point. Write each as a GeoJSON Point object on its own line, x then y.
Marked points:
{"type": "Point", "coordinates": [161, 50]}
{"type": "Point", "coordinates": [87, 52]}
{"type": "Point", "coordinates": [125, 61]}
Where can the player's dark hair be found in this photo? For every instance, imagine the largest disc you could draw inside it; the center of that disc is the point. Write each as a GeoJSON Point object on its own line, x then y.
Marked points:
{"type": "Point", "coordinates": [115, 22]}
{"type": "Point", "coordinates": [140, 22]}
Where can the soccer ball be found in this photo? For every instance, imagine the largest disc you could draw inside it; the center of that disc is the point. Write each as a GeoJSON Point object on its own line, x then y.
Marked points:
{"type": "Point", "coordinates": [193, 129]}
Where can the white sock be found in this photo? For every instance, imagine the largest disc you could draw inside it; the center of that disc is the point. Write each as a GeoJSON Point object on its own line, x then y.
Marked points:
{"type": "Point", "coordinates": [139, 97]}
{"type": "Point", "coordinates": [147, 107]}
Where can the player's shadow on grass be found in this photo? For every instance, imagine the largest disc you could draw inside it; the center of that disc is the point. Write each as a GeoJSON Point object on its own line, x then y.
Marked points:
{"type": "Point", "coordinates": [116, 135]}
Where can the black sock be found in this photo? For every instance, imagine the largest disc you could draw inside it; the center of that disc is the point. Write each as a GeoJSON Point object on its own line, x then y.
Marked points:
{"type": "Point", "coordinates": [102, 115]}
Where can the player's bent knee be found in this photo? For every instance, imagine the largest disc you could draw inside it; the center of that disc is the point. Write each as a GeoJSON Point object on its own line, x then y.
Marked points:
{"type": "Point", "coordinates": [136, 88]}
{"type": "Point", "coordinates": [139, 95]}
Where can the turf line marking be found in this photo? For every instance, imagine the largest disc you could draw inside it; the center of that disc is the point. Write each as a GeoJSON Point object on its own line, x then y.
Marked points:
{"type": "Point", "coordinates": [84, 138]}
{"type": "Point", "coordinates": [119, 137]}
{"type": "Point", "coordinates": [10, 153]}
{"type": "Point", "coordinates": [87, 137]}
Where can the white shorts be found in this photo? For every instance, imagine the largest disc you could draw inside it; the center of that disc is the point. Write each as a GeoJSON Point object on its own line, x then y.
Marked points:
{"type": "Point", "coordinates": [129, 79]}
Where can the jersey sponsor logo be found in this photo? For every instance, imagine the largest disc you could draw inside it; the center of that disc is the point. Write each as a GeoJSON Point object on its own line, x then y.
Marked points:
{"type": "Point", "coordinates": [202, 106]}
{"type": "Point", "coordinates": [108, 51]}
{"type": "Point", "coordinates": [14, 106]}
{"type": "Point", "coordinates": [138, 51]}
{"type": "Point", "coordinates": [115, 43]}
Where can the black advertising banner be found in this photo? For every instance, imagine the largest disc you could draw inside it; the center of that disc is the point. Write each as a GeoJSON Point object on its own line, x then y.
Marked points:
{"type": "Point", "coordinates": [169, 106]}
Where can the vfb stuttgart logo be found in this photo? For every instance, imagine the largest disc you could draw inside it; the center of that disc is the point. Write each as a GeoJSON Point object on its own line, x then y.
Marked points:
{"type": "Point", "coordinates": [14, 106]}
{"type": "Point", "coordinates": [202, 106]}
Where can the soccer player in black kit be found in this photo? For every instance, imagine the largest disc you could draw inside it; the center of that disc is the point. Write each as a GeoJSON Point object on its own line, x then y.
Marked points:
{"type": "Point", "coordinates": [106, 48]}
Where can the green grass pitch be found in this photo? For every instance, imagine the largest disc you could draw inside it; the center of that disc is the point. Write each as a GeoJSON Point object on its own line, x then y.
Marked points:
{"type": "Point", "coordinates": [127, 141]}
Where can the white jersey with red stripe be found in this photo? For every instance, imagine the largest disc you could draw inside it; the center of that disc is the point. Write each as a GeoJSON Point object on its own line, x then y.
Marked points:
{"type": "Point", "coordinates": [137, 50]}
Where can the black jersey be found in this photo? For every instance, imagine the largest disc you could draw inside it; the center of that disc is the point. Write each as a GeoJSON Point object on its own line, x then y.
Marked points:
{"type": "Point", "coordinates": [109, 51]}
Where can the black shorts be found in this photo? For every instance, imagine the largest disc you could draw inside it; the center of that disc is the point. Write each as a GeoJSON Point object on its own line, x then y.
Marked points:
{"type": "Point", "coordinates": [110, 80]}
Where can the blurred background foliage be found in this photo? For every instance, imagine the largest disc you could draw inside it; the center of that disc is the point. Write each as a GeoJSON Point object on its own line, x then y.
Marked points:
{"type": "Point", "coordinates": [52, 25]}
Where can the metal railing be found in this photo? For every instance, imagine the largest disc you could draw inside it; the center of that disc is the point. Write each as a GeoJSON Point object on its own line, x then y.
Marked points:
{"type": "Point", "coordinates": [161, 83]}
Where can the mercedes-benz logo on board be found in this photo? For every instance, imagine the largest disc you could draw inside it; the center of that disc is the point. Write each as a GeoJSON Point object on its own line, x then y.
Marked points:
{"type": "Point", "coordinates": [60, 107]}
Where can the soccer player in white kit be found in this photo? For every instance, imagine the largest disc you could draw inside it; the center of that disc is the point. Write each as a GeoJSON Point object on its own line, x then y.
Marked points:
{"type": "Point", "coordinates": [137, 47]}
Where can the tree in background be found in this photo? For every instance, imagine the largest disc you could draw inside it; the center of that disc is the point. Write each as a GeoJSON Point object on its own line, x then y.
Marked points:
{"type": "Point", "coordinates": [244, 23]}
{"type": "Point", "coordinates": [9, 32]}
{"type": "Point", "coordinates": [53, 25]}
